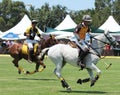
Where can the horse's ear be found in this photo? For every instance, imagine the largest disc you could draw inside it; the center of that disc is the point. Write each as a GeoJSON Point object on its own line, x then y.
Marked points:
{"type": "Point", "coordinates": [106, 32]}
{"type": "Point", "coordinates": [52, 36]}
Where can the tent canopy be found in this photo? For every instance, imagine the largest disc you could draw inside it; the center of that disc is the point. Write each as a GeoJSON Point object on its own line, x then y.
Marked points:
{"type": "Point", "coordinates": [66, 24]}
{"type": "Point", "coordinates": [64, 28]}
{"type": "Point", "coordinates": [18, 29]}
{"type": "Point", "coordinates": [11, 36]}
{"type": "Point", "coordinates": [1, 32]}
{"type": "Point", "coordinates": [21, 26]}
{"type": "Point", "coordinates": [58, 32]}
{"type": "Point", "coordinates": [111, 25]}
{"type": "Point", "coordinates": [48, 29]}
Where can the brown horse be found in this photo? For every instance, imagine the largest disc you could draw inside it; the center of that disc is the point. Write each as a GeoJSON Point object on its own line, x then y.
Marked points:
{"type": "Point", "coordinates": [19, 51]}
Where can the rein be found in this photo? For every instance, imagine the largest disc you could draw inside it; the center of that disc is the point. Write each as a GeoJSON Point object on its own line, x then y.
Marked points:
{"type": "Point", "coordinates": [112, 42]}
{"type": "Point", "coordinates": [103, 41]}
{"type": "Point", "coordinates": [100, 40]}
{"type": "Point", "coordinates": [101, 46]}
{"type": "Point", "coordinates": [98, 47]}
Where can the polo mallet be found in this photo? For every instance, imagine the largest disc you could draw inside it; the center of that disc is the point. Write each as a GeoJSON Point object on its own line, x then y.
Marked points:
{"type": "Point", "coordinates": [107, 65]}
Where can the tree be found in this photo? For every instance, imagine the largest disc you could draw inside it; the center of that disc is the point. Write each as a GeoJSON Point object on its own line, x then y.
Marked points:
{"type": "Point", "coordinates": [50, 17]}
{"type": "Point", "coordinates": [11, 13]}
{"type": "Point", "coordinates": [116, 10]}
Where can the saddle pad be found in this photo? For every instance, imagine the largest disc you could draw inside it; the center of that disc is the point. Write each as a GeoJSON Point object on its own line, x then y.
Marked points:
{"type": "Point", "coordinates": [25, 49]}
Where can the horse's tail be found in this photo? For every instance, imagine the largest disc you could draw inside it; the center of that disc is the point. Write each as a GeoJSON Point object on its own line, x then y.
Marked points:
{"type": "Point", "coordinates": [43, 53]}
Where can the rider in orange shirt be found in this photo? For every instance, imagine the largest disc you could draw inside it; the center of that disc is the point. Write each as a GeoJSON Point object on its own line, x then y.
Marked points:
{"type": "Point", "coordinates": [80, 34]}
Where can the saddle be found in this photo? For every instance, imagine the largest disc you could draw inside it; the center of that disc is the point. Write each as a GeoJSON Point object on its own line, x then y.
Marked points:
{"type": "Point", "coordinates": [72, 44]}
{"type": "Point", "coordinates": [81, 53]}
{"type": "Point", "coordinates": [25, 49]}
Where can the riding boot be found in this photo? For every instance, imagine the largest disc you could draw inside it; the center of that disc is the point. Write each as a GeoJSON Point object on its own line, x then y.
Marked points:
{"type": "Point", "coordinates": [81, 56]}
{"type": "Point", "coordinates": [30, 53]}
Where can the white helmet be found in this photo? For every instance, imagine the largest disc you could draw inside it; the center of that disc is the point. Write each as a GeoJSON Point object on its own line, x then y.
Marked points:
{"type": "Point", "coordinates": [34, 21]}
{"type": "Point", "coordinates": [87, 18]}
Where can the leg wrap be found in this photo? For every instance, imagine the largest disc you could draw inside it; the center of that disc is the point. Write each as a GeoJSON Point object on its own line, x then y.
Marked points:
{"type": "Point", "coordinates": [86, 80]}
{"type": "Point", "coordinates": [64, 84]}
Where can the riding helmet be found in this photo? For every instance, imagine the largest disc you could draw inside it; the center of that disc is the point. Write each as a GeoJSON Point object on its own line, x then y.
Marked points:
{"type": "Point", "coordinates": [87, 18]}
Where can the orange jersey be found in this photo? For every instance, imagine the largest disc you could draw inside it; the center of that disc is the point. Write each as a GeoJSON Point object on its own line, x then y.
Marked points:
{"type": "Point", "coordinates": [81, 31]}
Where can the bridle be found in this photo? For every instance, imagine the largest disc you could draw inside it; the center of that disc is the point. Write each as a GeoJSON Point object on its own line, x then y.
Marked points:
{"type": "Point", "coordinates": [108, 38]}
{"type": "Point", "coordinates": [110, 43]}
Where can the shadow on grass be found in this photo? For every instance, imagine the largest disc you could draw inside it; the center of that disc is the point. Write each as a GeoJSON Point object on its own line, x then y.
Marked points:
{"type": "Point", "coordinates": [37, 79]}
{"type": "Point", "coordinates": [90, 92]}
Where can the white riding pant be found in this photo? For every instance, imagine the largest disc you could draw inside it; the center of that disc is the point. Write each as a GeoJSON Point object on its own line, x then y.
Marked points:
{"type": "Point", "coordinates": [80, 43]}
{"type": "Point", "coordinates": [30, 43]}
{"type": "Point", "coordinates": [83, 45]}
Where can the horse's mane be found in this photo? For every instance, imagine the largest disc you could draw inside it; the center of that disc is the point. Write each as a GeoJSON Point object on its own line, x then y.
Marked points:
{"type": "Point", "coordinates": [98, 36]}
{"type": "Point", "coordinates": [48, 41]}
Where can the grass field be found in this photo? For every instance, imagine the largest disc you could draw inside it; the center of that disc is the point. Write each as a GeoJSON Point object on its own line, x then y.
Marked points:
{"type": "Point", "coordinates": [46, 83]}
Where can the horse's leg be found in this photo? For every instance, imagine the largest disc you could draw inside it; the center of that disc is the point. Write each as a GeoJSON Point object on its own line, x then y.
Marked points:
{"type": "Point", "coordinates": [80, 81]}
{"type": "Point", "coordinates": [41, 63]}
{"type": "Point", "coordinates": [43, 66]}
{"type": "Point", "coordinates": [94, 79]}
{"type": "Point", "coordinates": [15, 62]}
{"type": "Point", "coordinates": [38, 63]}
{"type": "Point", "coordinates": [57, 72]}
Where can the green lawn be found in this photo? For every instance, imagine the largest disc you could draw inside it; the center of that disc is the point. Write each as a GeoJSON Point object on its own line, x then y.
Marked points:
{"type": "Point", "coordinates": [46, 83]}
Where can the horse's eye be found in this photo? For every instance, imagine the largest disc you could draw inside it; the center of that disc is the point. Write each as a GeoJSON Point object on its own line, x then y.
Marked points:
{"type": "Point", "coordinates": [110, 37]}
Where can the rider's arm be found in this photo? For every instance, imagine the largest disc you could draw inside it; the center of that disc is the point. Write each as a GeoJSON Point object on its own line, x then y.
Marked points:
{"type": "Point", "coordinates": [76, 32]}
{"type": "Point", "coordinates": [38, 34]}
{"type": "Point", "coordinates": [27, 32]}
{"type": "Point", "coordinates": [89, 30]}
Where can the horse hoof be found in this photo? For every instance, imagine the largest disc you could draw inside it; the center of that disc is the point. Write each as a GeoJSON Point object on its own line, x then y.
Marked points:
{"type": "Point", "coordinates": [92, 83]}
{"type": "Point", "coordinates": [69, 89]}
{"type": "Point", "coordinates": [19, 72]}
{"type": "Point", "coordinates": [27, 72]}
{"type": "Point", "coordinates": [97, 77]}
{"type": "Point", "coordinates": [44, 67]}
{"type": "Point", "coordinates": [79, 81]}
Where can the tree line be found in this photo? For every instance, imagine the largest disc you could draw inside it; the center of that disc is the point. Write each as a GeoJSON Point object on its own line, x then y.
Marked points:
{"type": "Point", "coordinates": [11, 12]}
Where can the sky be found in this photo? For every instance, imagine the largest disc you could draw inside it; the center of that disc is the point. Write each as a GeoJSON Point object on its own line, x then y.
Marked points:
{"type": "Point", "coordinates": [70, 4]}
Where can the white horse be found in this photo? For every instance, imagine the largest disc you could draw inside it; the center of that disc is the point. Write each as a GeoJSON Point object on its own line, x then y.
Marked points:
{"type": "Point", "coordinates": [62, 53]}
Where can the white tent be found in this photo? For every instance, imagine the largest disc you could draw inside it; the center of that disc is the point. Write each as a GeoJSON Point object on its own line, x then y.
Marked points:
{"type": "Point", "coordinates": [20, 28]}
{"type": "Point", "coordinates": [11, 36]}
{"type": "Point", "coordinates": [59, 32]}
{"type": "Point", "coordinates": [1, 32]}
{"type": "Point", "coordinates": [111, 25]}
{"type": "Point", "coordinates": [67, 23]}
{"type": "Point", "coordinates": [65, 36]}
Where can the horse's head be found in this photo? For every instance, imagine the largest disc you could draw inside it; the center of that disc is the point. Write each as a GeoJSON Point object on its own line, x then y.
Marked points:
{"type": "Point", "coordinates": [52, 40]}
{"type": "Point", "coordinates": [48, 41]}
{"type": "Point", "coordinates": [110, 39]}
